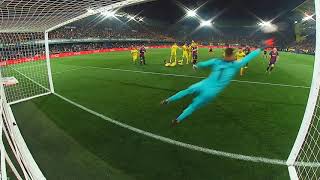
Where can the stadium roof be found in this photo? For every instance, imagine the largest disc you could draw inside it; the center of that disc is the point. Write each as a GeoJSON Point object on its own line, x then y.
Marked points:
{"type": "Point", "coordinates": [307, 6]}
{"type": "Point", "coordinates": [46, 15]}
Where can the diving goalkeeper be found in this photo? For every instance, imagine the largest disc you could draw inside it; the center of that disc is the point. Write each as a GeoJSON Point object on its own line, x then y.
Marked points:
{"type": "Point", "coordinates": [223, 70]}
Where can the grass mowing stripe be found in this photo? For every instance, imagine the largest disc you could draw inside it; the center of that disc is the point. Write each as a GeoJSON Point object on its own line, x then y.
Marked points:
{"type": "Point", "coordinates": [256, 159]}
{"type": "Point", "coordinates": [68, 70]}
{"type": "Point", "coordinates": [178, 143]}
{"type": "Point", "coordinates": [182, 75]}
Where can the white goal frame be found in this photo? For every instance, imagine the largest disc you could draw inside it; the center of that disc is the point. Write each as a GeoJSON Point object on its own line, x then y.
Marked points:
{"type": "Point", "coordinates": [8, 125]}
{"type": "Point", "coordinates": [311, 105]}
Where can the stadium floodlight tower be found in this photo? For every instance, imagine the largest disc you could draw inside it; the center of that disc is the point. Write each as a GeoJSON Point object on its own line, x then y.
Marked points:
{"type": "Point", "coordinates": [25, 70]}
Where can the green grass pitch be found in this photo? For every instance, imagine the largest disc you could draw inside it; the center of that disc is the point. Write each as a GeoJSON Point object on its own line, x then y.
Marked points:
{"type": "Point", "coordinates": [247, 118]}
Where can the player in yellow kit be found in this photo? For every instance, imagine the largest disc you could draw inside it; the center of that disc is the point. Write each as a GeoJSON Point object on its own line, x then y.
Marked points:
{"type": "Point", "coordinates": [185, 53]}
{"type": "Point", "coordinates": [240, 55]}
{"type": "Point", "coordinates": [134, 53]}
{"type": "Point", "coordinates": [189, 54]}
{"type": "Point", "coordinates": [174, 49]}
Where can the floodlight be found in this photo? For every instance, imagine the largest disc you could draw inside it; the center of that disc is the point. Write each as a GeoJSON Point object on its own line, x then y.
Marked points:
{"type": "Point", "coordinates": [191, 13]}
{"type": "Point", "coordinates": [307, 17]}
{"type": "Point", "coordinates": [206, 23]}
{"type": "Point", "coordinates": [131, 17]}
{"type": "Point", "coordinates": [265, 23]}
{"type": "Point", "coordinates": [108, 14]}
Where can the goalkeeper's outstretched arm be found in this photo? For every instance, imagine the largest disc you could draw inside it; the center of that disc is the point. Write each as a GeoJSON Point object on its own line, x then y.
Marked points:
{"type": "Point", "coordinates": [254, 54]}
{"type": "Point", "coordinates": [205, 64]}
{"type": "Point", "coordinates": [248, 58]}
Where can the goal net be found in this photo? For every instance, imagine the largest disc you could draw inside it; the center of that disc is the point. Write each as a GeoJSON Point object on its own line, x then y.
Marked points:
{"type": "Point", "coordinates": [23, 66]}
{"type": "Point", "coordinates": [310, 150]}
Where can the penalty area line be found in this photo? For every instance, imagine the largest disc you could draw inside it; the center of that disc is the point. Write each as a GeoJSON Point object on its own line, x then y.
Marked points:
{"type": "Point", "coordinates": [256, 159]}
{"type": "Point", "coordinates": [182, 75]}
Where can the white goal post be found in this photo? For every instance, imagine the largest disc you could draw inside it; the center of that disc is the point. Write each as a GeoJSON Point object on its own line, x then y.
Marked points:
{"type": "Point", "coordinates": [25, 70]}
{"type": "Point", "coordinates": [304, 159]}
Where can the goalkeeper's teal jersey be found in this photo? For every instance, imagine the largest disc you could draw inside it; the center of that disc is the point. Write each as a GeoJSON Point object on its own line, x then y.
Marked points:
{"type": "Point", "coordinates": [207, 89]}
{"type": "Point", "coordinates": [223, 71]}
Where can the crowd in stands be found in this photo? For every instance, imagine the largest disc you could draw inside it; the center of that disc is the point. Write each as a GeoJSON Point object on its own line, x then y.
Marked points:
{"type": "Point", "coordinates": [150, 38]}
{"type": "Point", "coordinates": [307, 46]}
{"type": "Point", "coordinates": [112, 30]}
{"type": "Point", "coordinates": [107, 33]}
{"type": "Point", "coordinates": [59, 48]}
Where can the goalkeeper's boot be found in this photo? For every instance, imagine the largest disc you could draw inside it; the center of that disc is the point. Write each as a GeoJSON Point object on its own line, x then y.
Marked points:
{"type": "Point", "coordinates": [175, 123]}
{"type": "Point", "coordinates": [164, 102]}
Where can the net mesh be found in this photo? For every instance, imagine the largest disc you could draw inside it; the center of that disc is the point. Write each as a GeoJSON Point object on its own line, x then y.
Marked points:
{"type": "Point", "coordinates": [310, 150]}
{"type": "Point", "coordinates": [23, 65]}
{"type": "Point", "coordinates": [38, 16]}
{"type": "Point", "coordinates": [307, 160]}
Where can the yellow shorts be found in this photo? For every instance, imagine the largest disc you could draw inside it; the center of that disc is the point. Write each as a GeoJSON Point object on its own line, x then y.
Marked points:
{"type": "Point", "coordinates": [173, 54]}
{"type": "Point", "coordinates": [185, 55]}
{"type": "Point", "coordinates": [134, 58]}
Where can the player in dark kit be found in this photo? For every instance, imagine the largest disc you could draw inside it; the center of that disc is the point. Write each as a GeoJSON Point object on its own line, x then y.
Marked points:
{"type": "Point", "coordinates": [142, 51]}
{"type": "Point", "coordinates": [194, 54]}
{"type": "Point", "coordinates": [274, 56]}
{"type": "Point", "coordinates": [210, 48]}
{"type": "Point", "coordinates": [247, 50]}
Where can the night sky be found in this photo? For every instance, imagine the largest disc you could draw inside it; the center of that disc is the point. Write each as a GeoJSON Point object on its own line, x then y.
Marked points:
{"type": "Point", "coordinates": [232, 10]}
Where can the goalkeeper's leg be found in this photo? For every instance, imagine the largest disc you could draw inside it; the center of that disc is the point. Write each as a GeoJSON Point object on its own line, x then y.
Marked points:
{"type": "Point", "coordinates": [197, 103]}
{"type": "Point", "coordinates": [191, 90]}
{"type": "Point", "coordinates": [180, 95]}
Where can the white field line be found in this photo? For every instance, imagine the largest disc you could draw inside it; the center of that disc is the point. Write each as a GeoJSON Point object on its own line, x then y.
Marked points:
{"type": "Point", "coordinates": [30, 79]}
{"type": "Point", "coordinates": [182, 75]}
{"type": "Point", "coordinates": [256, 159]}
{"type": "Point", "coordinates": [178, 143]}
